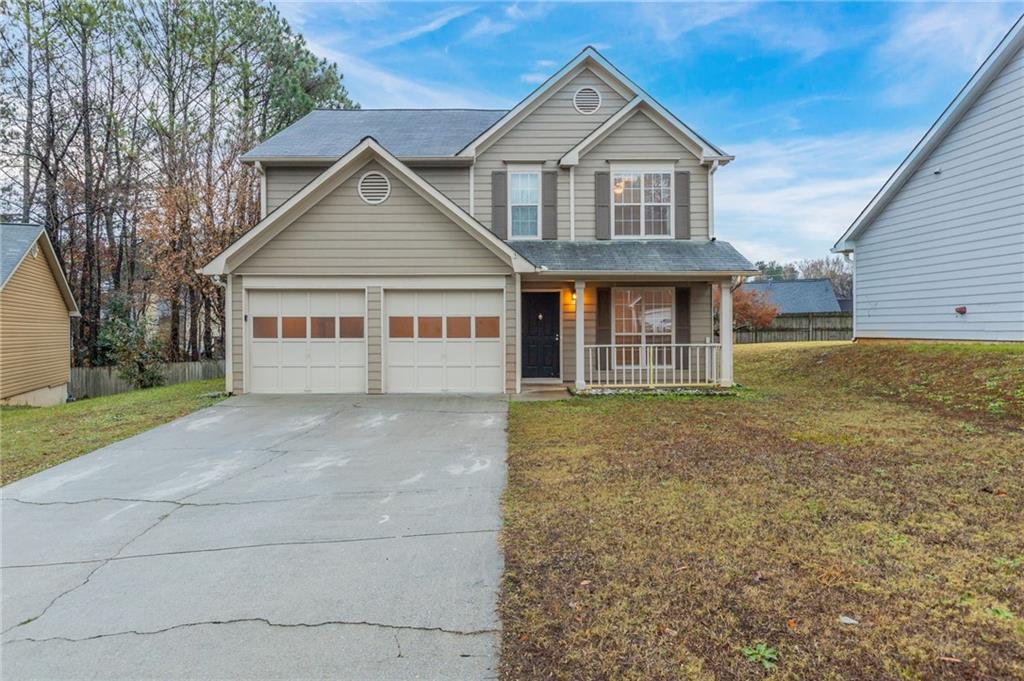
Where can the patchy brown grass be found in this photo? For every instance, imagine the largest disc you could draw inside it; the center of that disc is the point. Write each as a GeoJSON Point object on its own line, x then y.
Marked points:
{"type": "Point", "coordinates": [656, 537]}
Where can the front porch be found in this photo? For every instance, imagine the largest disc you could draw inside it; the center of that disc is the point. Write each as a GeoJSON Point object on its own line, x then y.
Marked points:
{"type": "Point", "coordinates": [654, 333]}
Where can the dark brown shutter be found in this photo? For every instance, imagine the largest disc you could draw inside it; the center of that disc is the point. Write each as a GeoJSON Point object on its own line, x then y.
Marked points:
{"type": "Point", "coordinates": [682, 325]}
{"type": "Point", "coordinates": [602, 209]}
{"type": "Point", "coordinates": [549, 200]}
{"type": "Point", "coordinates": [682, 205]}
{"type": "Point", "coordinates": [604, 315]}
{"type": "Point", "coordinates": [499, 203]}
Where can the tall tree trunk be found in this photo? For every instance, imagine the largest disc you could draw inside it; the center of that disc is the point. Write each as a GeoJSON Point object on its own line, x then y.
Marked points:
{"type": "Point", "coordinates": [30, 96]}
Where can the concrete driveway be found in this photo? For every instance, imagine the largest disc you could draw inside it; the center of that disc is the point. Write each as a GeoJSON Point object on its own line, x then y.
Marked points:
{"type": "Point", "coordinates": [265, 537]}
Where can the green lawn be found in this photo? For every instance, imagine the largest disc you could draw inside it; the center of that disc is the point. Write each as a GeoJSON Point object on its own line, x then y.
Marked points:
{"type": "Point", "coordinates": [35, 438]}
{"type": "Point", "coordinates": [714, 538]}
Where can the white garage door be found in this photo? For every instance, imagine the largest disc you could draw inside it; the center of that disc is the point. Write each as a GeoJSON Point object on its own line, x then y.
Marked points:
{"type": "Point", "coordinates": [443, 341]}
{"type": "Point", "coordinates": [307, 341]}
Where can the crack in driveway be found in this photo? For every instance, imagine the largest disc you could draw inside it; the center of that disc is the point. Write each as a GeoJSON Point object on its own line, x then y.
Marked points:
{"type": "Point", "coordinates": [267, 622]}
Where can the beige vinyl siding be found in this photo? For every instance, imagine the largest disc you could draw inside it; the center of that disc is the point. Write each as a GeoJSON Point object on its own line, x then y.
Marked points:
{"type": "Point", "coordinates": [511, 358]}
{"type": "Point", "coordinates": [284, 181]}
{"type": "Point", "coordinates": [545, 135]}
{"type": "Point", "coordinates": [343, 235]}
{"type": "Point", "coordinates": [452, 182]}
{"type": "Point", "coordinates": [237, 336]}
{"type": "Point", "coordinates": [640, 139]}
{"type": "Point", "coordinates": [956, 237]}
{"type": "Point", "coordinates": [35, 350]}
{"type": "Point", "coordinates": [374, 339]}
{"type": "Point", "coordinates": [700, 314]}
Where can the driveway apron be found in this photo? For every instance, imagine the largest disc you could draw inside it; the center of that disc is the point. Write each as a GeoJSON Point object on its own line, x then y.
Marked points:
{"type": "Point", "coordinates": [265, 537]}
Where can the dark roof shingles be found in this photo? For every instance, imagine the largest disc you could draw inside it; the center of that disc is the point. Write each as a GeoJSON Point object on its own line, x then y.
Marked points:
{"type": "Point", "coordinates": [798, 296]}
{"type": "Point", "coordinates": [15, 240]}
{"type": "Point", "coordinates": [403, 132]}
{"type": "Point", "coordinates": [668, 255]}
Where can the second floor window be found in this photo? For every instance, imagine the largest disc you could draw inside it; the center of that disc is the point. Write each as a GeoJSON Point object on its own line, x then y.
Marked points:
{"type": "Point", "coordinates": [642, 201]}
{"type": "Point", "coordinates": [524, 204]}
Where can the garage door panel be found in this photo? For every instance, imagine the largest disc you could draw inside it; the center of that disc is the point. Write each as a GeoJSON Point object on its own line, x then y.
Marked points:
{"type": "Point", "coordinates": [322, 364]}
{"type": "Point", "coordinates": [452, 362]}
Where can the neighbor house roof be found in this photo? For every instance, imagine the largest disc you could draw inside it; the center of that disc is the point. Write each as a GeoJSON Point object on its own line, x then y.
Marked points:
{"type": "Point", "coordinates": [798, 296]}
{"type": "Point", "coordinates": [408, 133]}
{"type": "Point", "coordinates": [649, 256]}
{"type": "Point", "coordinates": [16, 241]}
{"type": "Point", "coordinates": [956, 110]}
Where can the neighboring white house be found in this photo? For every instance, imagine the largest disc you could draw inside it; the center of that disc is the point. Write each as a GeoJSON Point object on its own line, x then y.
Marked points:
{"type": "Point", "coordinates": [939, 251]}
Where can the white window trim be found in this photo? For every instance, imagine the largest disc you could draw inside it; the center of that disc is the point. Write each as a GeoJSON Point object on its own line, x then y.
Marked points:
{"type": "Point", "coordinates": [615, 331]}
{"type": "Point", "coordinates": [515, 168]}
{"type": "Point", "coordinates": [618, 169]}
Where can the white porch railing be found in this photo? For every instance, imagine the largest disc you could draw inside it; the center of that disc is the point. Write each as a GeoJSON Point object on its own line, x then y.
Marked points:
{"type": "Point", "coordinates": [652, 366]}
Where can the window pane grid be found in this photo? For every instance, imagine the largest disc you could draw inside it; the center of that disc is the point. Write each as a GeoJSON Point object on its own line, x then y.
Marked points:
{"type": "Point", "coordinates": [641, 317]}
{"type": "Point", "coordinates": [642, 204]}
{"type": "Point", "coordinates": [524, 203]}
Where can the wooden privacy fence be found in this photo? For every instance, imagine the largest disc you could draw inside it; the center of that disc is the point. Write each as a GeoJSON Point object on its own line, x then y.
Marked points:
{"type": "Point", "coordinates": [100, 381]}
{"type": "Point", "coordinates": [802, 327]}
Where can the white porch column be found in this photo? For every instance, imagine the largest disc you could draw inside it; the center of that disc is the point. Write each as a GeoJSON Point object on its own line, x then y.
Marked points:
{"type": "Point", "coordinates": [580, 289]}
{"type": "Point", "coordinates": [725, 332]}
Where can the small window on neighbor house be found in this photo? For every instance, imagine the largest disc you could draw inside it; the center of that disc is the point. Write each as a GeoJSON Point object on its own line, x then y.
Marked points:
{"type": "Point", "coordinates": [293, 327]}
{"type": "Point", "coordinates": [264, 327]}
{"type": "Point", "coordinates": [321, 327]}
{"type": "Point", "coordinates": [429, 327]}
{"type": "Point", "coordinates": [488, 327]}
{"type": "Point", "coordinates": [458, 327]}
{"type": "Point", "coordinates": [351, 327]}
{"type": "Point", "coordinates": [400, 327]}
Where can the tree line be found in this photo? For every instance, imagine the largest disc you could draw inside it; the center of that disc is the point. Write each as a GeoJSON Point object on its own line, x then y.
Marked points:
{"type": "Point", "coordinates": [836, 269]}
{"type": "Point", "coordinates": [121, 128]}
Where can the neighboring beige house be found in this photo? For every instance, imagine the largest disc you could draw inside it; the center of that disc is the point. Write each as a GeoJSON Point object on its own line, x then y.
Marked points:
{"type": "Point", "coordinates": [568, 240]}
{"type": "Point", "coordinates": [938, 253]}
{"type": "Point", "coordinates": [35, 327]}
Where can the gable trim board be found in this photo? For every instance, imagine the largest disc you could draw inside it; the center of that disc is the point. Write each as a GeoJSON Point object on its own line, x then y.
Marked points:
{"type": "Point", "coordinates": [329, 180]}
{"type": "Point", "coordinates": [589, 59]}
{"type": "Point", "coordinates": [954, 112]}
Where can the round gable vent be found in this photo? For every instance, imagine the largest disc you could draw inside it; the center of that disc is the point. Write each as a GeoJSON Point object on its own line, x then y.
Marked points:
{"type": "Point", "coordinates": [587, 100]}
{"type": "Point", "coordinates": [374, 187]}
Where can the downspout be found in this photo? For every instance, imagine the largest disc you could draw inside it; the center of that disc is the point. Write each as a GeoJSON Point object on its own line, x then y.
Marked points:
{"type": "Point", "coordinates": [263, 189]}
{"type": "Point", "coordinates": [711, 198]}
{"type": "Point", "coordinates": [472, 188]}
{"type": "Point", "coordinates": [572, 203]}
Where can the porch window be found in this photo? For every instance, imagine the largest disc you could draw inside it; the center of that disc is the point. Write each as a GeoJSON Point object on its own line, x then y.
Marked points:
{"type": "Point", "coordinates": [524, 203]}
{"type": "Point", "coordinates": [642, 317]}
{"type": "Point", "coordinates": [643, 203]}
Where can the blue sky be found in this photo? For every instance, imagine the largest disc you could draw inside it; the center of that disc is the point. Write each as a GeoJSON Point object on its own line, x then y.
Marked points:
{"type": "Point", "coordinates": [818, 102]}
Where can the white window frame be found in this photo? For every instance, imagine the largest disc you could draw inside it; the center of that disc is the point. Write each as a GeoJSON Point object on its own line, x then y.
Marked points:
{"type": "Point", "coordinates": [642, 334]}
{"type": "Point", "coordinates": [519, 169]}
{"type": "Point", "coordinates": [641, 168]}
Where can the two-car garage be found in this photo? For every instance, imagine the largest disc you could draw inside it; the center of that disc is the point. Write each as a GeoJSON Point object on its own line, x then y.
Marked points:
{"type": "Point", "coordinates": [320, 341]}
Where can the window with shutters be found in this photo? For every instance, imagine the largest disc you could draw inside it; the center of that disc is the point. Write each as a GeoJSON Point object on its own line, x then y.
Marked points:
{"type": "Point", "coordinates": [642, 317]}
{"type": "Point", "coordinates": [524, 203]}
{"type": "Point", "coordinates": [642, 203]}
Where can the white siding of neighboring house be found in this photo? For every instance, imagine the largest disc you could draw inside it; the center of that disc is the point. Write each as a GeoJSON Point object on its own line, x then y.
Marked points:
{"type": "Point", "coordinates": [954, 238]}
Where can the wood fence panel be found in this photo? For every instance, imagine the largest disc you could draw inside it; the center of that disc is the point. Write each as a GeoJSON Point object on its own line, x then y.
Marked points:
{"type": "Point", "coordinates": [806, 327]}
{"type": "Point", "coordinates": [100, 381]}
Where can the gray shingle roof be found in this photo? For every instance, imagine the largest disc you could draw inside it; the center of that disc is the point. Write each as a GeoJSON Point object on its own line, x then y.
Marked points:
{"type": "Point", "coordinates": [666, 255]}
{"type": "Point", "coordinates": [15, 240]}
{"type": "Point", "coordinates": [798, 296]}
{"type": "Point", "coordinates": [403, 132]}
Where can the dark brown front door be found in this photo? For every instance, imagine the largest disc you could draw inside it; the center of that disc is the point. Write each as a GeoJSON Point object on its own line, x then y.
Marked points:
{"type": "Point", "coordinates": [540, 335]}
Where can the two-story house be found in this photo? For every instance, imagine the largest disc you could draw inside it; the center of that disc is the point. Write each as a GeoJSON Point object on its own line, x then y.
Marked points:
{"type": "Point", "coordinates": [569, 239]}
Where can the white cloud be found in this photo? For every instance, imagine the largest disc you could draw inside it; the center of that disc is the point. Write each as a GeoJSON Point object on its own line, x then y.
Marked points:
{"type": "Point", "coordinates": [439, 21]}
{"type": "Point", "coordinates": [670, 21]}
{"type": "Point", "coordinates": [534, 78]}
{"type": "Point", "coordinates": [792, 198]}
{"type": "Point", "coordinates": [929, 44]}
{"type": "Point", "coordinates": [376, 87]}
{"type": "Point", "coordinates": [486, 27]}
